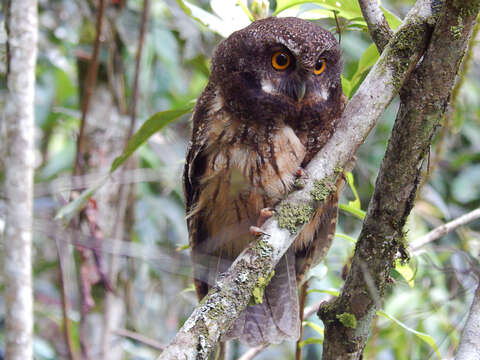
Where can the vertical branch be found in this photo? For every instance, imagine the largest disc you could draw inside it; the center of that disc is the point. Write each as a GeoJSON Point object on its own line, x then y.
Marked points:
{"type": "Point", "coordinates": [79, 168]}
{"type": "Point", "coordinates": [138, 59]}
{"type": "Point", "coordinates": [469, 348]}
{"type": "Point", "coordinates": [19, 121]}
{"type": "Point", "coordinates": [425, 98]}
{"type": "Point", "coordinates": [90, 85]}
{"type": "Point", "coordinates": [377, 24]}
{"type": "Point", "coordinates": [67, 329]}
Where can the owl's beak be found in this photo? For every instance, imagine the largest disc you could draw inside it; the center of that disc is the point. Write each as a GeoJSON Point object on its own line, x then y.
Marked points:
{"type": "Point", "coordinates": [300, 89]}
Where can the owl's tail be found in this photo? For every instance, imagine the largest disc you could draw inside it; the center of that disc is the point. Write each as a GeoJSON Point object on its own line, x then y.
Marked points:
{"type": "Point", "coordinates": [277, 318]}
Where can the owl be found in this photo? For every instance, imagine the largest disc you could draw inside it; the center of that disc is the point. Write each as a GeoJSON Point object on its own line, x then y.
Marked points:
{"type": "Point", "coordinates": [272, 101]}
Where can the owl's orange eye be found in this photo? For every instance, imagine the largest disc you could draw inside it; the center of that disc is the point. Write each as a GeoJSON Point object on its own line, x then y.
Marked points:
{"type": "Point", "coordinates": [319, 66]}
{"type": "Point", "coordinates": [281, 60]}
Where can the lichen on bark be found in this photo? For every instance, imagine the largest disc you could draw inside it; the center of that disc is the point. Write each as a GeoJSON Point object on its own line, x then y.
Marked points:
{"type": "Point", "coordinates": [292, 216]}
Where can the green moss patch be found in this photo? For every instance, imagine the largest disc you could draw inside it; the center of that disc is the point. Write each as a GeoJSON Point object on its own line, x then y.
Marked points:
{"type": "Point", "coordinates": [291, 217]}
{"type": "Point", "coordinates": [322, 189]}
{"type": "Point", "coordinates": [348, 320]}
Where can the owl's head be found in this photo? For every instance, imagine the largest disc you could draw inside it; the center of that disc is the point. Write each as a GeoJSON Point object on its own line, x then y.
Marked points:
{"type": "Point", "coordinates": [279, 68]}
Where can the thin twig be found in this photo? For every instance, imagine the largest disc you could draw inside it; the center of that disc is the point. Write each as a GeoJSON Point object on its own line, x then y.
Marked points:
{"type": "Point", "coordinates": [124, 192]}
{"type": "Point", "coordinates": [139, 337]}
{"type": "Point", "coordinates": [440, 231]}
{"type": "Point", "coordinates": [79, 167]}
{"type": "Point", "coordinates": [141, 38]}
{"type": "Point", "coordinates": [67, 329]}
{"type": "Point", "coordinates": [90, 85]}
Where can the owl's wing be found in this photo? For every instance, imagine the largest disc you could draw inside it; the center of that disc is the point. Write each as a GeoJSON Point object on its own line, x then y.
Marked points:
{"type": "Point", "coordinates": [194, 171]}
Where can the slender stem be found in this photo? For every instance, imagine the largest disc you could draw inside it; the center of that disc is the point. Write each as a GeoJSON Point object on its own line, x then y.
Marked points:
{"type": "Point", "coordinates": [90, 85]}
{"type": "Point", "coordinates": [440, 231]}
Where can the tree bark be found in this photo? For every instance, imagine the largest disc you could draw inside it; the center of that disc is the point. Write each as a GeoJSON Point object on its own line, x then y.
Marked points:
{"type": "Point", "coordinates": [424, 100]}
{"type": "Point", "coordinates": [225, 301]}
{"type": "Point", "coordinates": [21, 23]}
{"type": "Point", "coordinates": [469, 348]}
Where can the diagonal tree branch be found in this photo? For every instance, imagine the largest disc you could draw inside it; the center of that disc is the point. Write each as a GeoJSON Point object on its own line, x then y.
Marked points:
{"type": "Point", "coordinates": [425, 98]}
{"type": "Point", "coordinates": [230, 295]}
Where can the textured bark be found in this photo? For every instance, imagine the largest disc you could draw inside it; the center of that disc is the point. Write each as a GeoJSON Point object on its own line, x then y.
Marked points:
{"type": "Point", "coordinates": [424, 99]}
{"type": "Point", "coordinates": [377, 24]}
{"type": "Point", "coordinates": [469, 348]}
{"type": "Point", "coordinates": [225, 301]}
{"type": "Point", "coordinates": [22, 21]}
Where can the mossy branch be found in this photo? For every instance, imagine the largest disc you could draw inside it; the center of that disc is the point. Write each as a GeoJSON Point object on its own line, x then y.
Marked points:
{"type": "Point", "coordinates": [231, 294]}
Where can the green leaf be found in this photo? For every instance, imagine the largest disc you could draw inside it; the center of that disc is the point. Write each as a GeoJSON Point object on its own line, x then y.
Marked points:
{"type": "Point", "coordinates": [354, 211]}
{"type": "Point", "coordinates": [406, 271]}
{"type": "Point", "coordinates": [351, 182]}
{"type": "Point", "coordinates": [189, 288]}
{"type": "Point", "coordinates": [348, 9]}
{"type": "Point", "coordinates": [155, 123]}
{"type": "Point", "coordinates": [346, 86]}
{"type": "Point", "coordinates": [68, 211]}
{"type": "Point", "coordinates": [183, 247]}
{"type": "Point", "coordinates": [335, 293]}
{"type": "Point", "coordinates": [211, 21]}
{"type": "Point", "coordinates": [246, 10]}
{"type": "Point", "coordinates": [346, 237]}
{"type": "Point", "coordinates": [426, 338]}
{"type": "Point", "coordinates": [310, 341]}
{"type": "Point", "coordinates": [393, 20]}
{"type": "Point", "coordinates": [314, 326]}
{"type": "Point", "coordinates": [368, 59]}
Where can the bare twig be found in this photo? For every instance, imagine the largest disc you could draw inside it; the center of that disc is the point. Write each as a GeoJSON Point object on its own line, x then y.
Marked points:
{"type": "Point", "coordinates": [139, 337]}
{"type": "Point", "coordinates": [67, 329]}
{"type": "Point", "coordinates": [377, 24]}
{"type": "Point", "coordinates": [88, 89]}
{"type": "Point", "coordinates": [141, 37]}
{"type": "Point", "coordinates": [124, 192]}
{"type": "Point", "coordinates": [230, 295]}
{"type": "Point", "coordinates": [444, 229]}
{"type": "Point", "coordinates": [251, 353]}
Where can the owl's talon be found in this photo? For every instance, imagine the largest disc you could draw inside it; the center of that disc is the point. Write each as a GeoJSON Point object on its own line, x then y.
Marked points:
{"type": "Point", "coordinates": [256, 231]}
{"type": "Point", "coordinates": [265, 214]}
{"type": "Point", "coordinates": [300, 172]}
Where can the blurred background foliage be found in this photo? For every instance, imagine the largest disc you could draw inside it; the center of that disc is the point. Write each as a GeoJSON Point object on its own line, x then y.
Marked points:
{"type": "Point", "coordinates": [431, 295]}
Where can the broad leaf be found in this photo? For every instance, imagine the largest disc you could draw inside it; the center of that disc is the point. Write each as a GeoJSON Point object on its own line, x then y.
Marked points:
{"type": "Point", "coordinates": [406, 271]}
{"type": "Point", "coordinates": [155, 123]}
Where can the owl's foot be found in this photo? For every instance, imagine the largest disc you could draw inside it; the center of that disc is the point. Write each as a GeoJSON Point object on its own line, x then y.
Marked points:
{"type": "Point", "coordinates": [300, 178]}
{"type": "Point", "coordinates": [300, 172]}
{"type": "Point", "coordinates": [256, 231]}
{"type": "Point", "coordinates": [265, 214]}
